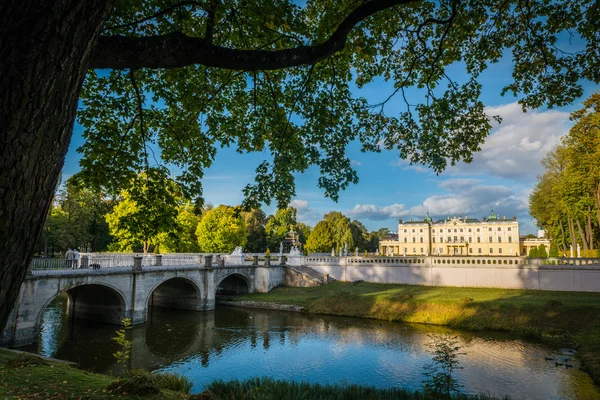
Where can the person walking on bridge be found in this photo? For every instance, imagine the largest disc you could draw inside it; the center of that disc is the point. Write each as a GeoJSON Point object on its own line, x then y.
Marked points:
{"type": "Point", "coordinates": [75, 258]}
{"type": "Point", "coordinates": [70, 256]}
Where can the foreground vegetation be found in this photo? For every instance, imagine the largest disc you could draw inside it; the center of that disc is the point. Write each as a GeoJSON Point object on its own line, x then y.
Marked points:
{"type": "Point", "coordinates": [571, 318]}
{"type": "Point", "coordinates": [26, 376]}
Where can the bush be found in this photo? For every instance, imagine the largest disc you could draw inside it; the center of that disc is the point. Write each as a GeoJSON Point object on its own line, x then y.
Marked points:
{"type": "Point", "coordinates": [174, 382]}
{"type": "Point", "coordinates": [136, 382]}
{"type": "Point", "coordinates": [26, 360]}
{"type": "Point", "coordinates": [542, 251]}
{"type": "Point", "coordinates": [533, 253]}
{"type": "Point", "coordinates": [553, 251]}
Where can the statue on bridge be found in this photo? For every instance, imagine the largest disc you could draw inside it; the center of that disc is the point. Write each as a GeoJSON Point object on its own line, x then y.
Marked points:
{"type": "Point", "coordinates": [237, 251]}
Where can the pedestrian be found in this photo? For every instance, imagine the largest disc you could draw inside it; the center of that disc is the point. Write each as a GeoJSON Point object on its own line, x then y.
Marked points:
{"type": "Point", "coordinates": [69, 256]}
{"type": "Point", "coordinates": [75, 258]}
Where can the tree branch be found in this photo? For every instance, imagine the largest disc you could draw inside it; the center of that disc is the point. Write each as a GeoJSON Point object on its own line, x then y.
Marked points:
{"type": "Point", "coordinates": [177, 50]}
{"type": "Point", "coordinates": [156, 15]}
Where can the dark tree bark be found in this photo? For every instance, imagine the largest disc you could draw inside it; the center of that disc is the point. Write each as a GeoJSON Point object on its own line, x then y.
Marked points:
{"type": "Point", "coordinates": [45, 49]}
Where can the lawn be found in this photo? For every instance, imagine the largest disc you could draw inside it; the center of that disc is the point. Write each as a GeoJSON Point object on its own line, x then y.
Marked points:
{"type": "Point", "coordinates": [571, 318]}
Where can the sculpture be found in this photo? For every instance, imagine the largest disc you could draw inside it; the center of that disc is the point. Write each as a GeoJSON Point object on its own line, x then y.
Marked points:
{"type": "Point", "coordinates": [237, 251]}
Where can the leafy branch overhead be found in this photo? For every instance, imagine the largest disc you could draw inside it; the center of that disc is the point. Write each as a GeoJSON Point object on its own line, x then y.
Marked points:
{"type": "Point", "coordinates": [275, 77]}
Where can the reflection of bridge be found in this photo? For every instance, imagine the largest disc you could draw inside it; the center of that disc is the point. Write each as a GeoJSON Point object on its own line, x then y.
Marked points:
{"type": "Point", "coordinates": [110, 288]}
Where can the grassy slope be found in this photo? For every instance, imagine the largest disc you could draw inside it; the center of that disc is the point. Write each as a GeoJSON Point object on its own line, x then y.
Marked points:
{"type": "Point", "coordinates": [563, 317]}
{"type": "Point", "coordinates": [59, 381]}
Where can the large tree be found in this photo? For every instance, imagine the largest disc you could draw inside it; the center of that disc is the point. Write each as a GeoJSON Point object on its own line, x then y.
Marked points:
{"type": "Point", "coordinates": [184, 76]}
{"type": "Point", "coordinates": [221, 230]}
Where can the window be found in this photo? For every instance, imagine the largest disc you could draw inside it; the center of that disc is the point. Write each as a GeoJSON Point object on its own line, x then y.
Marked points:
{"type": "Point", "coordinates": [479, 250]}
{"type": "Point", "coordinates": [414, 250]}
{"type": "Point", "coordinates": [433, 230]}
{"type": "Point", "coordinates": [490, 229]}
{"type": "Point", "coordinates": [499, 239]}
{"type": "Point", "coordinates": [405, 231]}
{"type": "Point", "coordinates": [471, 250]}
{"type": "Point", "coordinates": [510, 239]}
{"type": "Point", "coordinates": [477, 229]}
{"type": "Point", "coordinates": [462, 239]}
{"type": "Point", "coordinates": [499, 229]}
{"type": "Point", "coordinates": [469, 229]}
{"type": "Point", "coordinates": [500, 250]}
{"type": "Point", "coordinates": [414, 230]}
{"type": "Point", "coordinates": [414, 240]}
{"type": "Point", "coordinates": [491, 251]}
{"type": "Point", "coordinates": [508, 228]}
{"type": "Point", "coordinates": [470, 240]}
{"type": "Point", "coordinates": [421, 250]}
{"type": "Point", "coordinates": [405, 240]}
{"type": "Point", "coordinates": [478, 240]}
{"type": "Point", "coordinates": [420, 230]}
{"type": "Point", "coordinates": [455, 239]}
{"type": "Point", "coordinates": [455, 230]}
{"type": "Point", "coordinates": [441, 240]}
{"type": "Point", "coordinates": [405, 250]}
{"type": "Point", "coordinates": [491, 239]}
{"type": "Point", "coordinates": [461, 229]}
{"type": "Point", "coordinates": [433, 240]}
{"type": "Point", "coordinates": [449, 239]}
{"type": "Point", "coordinates": [421, 240]}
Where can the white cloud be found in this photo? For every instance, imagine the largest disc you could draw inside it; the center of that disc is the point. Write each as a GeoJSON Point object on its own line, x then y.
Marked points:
{"type": "Point", "coordinates": [515, 147]}
{"type": "Point", "coordinates": [304, 212]}
{"type": "Point", "coordinates": [356, 163]}
{"type": "Point", "coordinates": [299, 204]}
{"type": "Point", "coordinates": [373, 212]}
{"type": "Point", "coordinates": [460, 183]}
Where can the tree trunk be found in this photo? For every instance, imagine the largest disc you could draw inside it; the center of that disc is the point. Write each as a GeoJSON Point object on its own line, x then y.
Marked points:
{"type": "Point", "coordinates": [573, 237]}
{"type": "Point", "coordinates": [582, 236]}
{"type": "Point", "coordinates": [45, 48]}
{"type": "Point", "coordinates": [589, 230]}
{"type": "Point", "coordinates": [564, 242]}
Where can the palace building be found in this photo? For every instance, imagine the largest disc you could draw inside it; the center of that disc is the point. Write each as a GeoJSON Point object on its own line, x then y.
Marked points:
{"type": "Point", "coordinates": [458, 236]}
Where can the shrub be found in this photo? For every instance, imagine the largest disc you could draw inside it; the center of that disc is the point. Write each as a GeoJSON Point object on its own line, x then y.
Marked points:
{"type": "Point", "coordinates": [553, 251]}
{"type": "Point", "coordinates": [533, 253]}
{"type": "Point", "coordinates": [440, 380]}
{"type": "Point", "coordinates": [542, 251]}
{"type": "Point", "coordinates": [136, 382]}
{"type": "Point", "coordinates": [174, 382]}
{"type": "Point", "coordinates": [26, 360]}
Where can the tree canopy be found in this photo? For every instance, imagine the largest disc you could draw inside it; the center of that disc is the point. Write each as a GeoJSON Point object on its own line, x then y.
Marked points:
{"type": "Point", "coordinates": [186, 77]}
{"type": "Point", "coordinates": [566, 199]}
{"type": "Point", "coordinates": [221, 230]}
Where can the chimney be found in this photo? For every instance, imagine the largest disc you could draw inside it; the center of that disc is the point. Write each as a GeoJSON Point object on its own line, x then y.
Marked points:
{"type": "Point", "coordinates": [399, 221]}
{"type": "Point", "coordinates": [411, 220]}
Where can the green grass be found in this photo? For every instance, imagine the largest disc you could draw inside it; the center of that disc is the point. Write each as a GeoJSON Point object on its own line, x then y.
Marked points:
{"type": "Point", "coordinates": [269, 389]}
{"type": "Point", "coordinates": [558, 317]}
{"type": "Point", "coordinates": [50, 380]}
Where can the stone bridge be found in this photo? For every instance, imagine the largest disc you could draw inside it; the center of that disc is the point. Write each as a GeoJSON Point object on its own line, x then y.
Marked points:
{"type": "Point", "coordinates": [115, 287]}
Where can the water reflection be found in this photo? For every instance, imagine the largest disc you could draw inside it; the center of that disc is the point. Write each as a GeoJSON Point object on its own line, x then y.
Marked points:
{"type": "Point", "coordinates": [241, 343]}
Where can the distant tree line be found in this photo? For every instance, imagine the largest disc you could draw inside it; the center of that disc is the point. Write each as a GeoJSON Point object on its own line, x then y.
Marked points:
{"type": "Point", "coordinates": [566, 199]}
{"type": "Point", "coordinates": [153, 215]}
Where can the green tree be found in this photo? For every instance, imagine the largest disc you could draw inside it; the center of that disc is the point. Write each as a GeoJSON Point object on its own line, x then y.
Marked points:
{"type": "Point", "coordinates": [303, 230]}
{"type": "Point", "coordinates": [256, 240]}
{"type": "Point", "coordinates": [533, 253]}
{"type": "Point", "coordinates": [341, 230]}
{"type": "Point", "coordinates": [541, 253]}
{"type": "Point", "coordinates": [279, 225]}
{"type": "Point", "coordinates": [360, 236]}
{"type": "Point", "coordinates": [177, 77]}
{"type": "Point", "coordinates": [183, 237]}
{"type": "Point", "coordinates": [553, 250]}
{"type": "Point", "coordinates": [221, 230]}
{"type": "Point", "coordinates": [320, 239]}
{"type": "Point", "coordinates": [441, 382]}
{"type": "Point", "coordinates": [146, 212]}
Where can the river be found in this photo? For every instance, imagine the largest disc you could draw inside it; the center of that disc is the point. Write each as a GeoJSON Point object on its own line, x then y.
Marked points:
{"type": "Point", "coordinates": [238, 343]}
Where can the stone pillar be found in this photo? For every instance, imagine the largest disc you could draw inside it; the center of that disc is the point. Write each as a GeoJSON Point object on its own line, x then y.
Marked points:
{"type": "Point", "coordinates": [137, 263]}
{"type": "Point", "coordinates": [254, 260]}
{"type": "Point", "coordinates": [158, 260]}
{"type": "Point", "coordinates": [199, 260]}
{"type": "Point", "coordinates": [267, 261]}
{"type": "Point", "coordinates": [220, 261]}
{"type": "Point", "coordinates": [208, 261]}
{"type": "Point", "coordinates": [85, 261]}
{"type": "Point", "coordinates": [281, 260]}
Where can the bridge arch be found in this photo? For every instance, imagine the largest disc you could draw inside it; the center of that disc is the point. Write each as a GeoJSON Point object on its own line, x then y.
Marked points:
{"type": "Point", "coordinates": [99, 301]}
{"type": "Point", "coordinates": [234, 284]}
{"type": "Point", "coordinates": [176, 292]}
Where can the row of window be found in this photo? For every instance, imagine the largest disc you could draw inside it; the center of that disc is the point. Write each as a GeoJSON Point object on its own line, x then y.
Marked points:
{"type": "Point", "coordinates": [456, 240]}
{"type": "Point", "coordinates": [441, 250]}
{"type": "Point", "coordinates": [455, 229]}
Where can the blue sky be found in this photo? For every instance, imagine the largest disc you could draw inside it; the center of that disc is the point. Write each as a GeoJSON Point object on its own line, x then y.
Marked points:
{"type": "Point", "coordinates": [501, 175]}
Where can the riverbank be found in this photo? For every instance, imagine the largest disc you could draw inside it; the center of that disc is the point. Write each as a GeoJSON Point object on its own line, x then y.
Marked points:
{"type": "Point", "coordinates": [564, 318]}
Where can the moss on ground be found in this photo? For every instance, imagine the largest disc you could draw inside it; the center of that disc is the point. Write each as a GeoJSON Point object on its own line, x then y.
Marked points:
{"type": "Point", "coordinates": [571, 318]}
